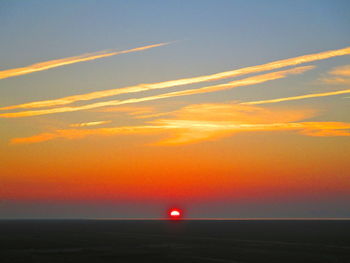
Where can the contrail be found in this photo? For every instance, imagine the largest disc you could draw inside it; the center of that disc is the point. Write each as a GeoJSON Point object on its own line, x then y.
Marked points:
{"type": "Point", "coordinates": [9, 73]}
{"type": "Point", "coordinates": [307, 96]}
{"type": "Point", "coordinates": [238, 83]}
{"type": "Point", "coordinates": [185, 81]}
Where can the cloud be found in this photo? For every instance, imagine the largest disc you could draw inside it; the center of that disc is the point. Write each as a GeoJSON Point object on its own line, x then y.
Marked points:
{"type": "Point", "coordinates": [82, 133]}
{"type": "Point", "coordinates": [184, 81]}
{"type": "Point", "coordinates": [194, 131]}
{"type": "Point", "coordinates": [238, 113]}
{"type": "Point", "coordinates": [233, 84]}
{"type": "Point", "coordinates": [129, 110]}
{"type": "Point", "coordinates": [88, 124]}
{"type": "Point", "coordinates": [339, 76]}
{"type": "Point", "coordinates": [341, 71]}
{"type": "Point", "coordinates": [207, 122]}
{"type": "Point", "coordinates": [203, 122]}
{"type": "Point", "coordinates": [212, 121]}
{"type": "Point", "coordinates": [336, 81]}
{"type": "Point", "coordinates": [326, 129]}
{"type": "Point", "coordinates": [9, 73]}
{"type": "Point", "coordinates": [306, 96]}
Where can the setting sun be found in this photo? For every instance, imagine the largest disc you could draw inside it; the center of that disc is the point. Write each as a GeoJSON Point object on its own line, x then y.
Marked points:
{"type": "Point", "coordinates": [175, 213]}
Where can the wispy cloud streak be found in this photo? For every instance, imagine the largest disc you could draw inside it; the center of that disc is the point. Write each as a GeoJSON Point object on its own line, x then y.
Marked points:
{"type": "Point", "coordinates": [185, 81]}
{"type": "Point", "coordinates": [201, 122]}
{"type": "Point", "coordinates": [341, 71]}
{"type": "Point", "coordinates": [88, 124]}
{"type": "Point", "coordinates": [9, 73]}
{"type": "Point", "coordinates": [233, 84]}
{"type": "Point", "coordinates": [82, 133]}
{"type": "Point", "coordinates": [301, 97]}
{"type": "Point", "coordinates": [192, 131]}
{"type": "Point", "coordinates": [340, 76]}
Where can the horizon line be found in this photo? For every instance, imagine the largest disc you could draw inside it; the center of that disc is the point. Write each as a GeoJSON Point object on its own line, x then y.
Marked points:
{"type": "Point", "coordinates": [192, 219]}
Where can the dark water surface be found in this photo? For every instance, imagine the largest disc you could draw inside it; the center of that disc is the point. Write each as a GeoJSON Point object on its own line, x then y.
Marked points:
{"type": "Point", "coordinates": [174, 241]}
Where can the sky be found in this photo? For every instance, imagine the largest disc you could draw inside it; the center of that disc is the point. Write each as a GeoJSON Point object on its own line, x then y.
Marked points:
{"type": "Point", "coordinates": [124, 109]}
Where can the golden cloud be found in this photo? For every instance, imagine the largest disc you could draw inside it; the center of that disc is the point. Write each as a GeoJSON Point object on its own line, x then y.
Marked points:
{"type": "Point", "coordinates": [210, 121]}
{"type": "Point", "coordinates": [233, 84]}
{"type": "Point", "coordinates": [184, 81]}
{"type": "Point", "coordinates": [9, 73]}
{"type": "Point", "coordinates": [88, 124]}
{"type": "Point", "coordinates": [300, 97]}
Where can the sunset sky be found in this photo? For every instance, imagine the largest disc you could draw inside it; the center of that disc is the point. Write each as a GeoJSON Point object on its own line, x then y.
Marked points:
{"type": "Point", "coordinates": [227, 109]}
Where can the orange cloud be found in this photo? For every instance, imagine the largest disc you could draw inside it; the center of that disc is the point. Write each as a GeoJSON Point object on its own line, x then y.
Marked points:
{"type": "Point", "coordinates": [9, 73]}
{"type": "Point", "coordinates": [339, 76]}
{"type": "Point", "coordinates": [128, 110]}
{"type": "Point", "coordinates": [185, 81]}
{"type": "Point", "coordinates": [88, 124]}
{"type": "Point", "coordinates": [337, 81]}
{"type": "Point", "coordinates": [239, 113]}
{"type": "Point", "coordinates": [341, 71]}
{"type": "Point", "coordinates": [233, 84]}
{"type": "Point", "coordinates": [210, 121]}
{"type": "Point", "coordinates": [82, 133]}
{"type": "Point", "coordinates": [326, 129]}
{"type": "Point", "coordinates": [306, 96]}
{"type": "Point", "coordinates": [194, 131]}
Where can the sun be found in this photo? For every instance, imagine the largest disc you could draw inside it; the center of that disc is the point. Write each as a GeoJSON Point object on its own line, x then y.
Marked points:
{"type": "Point", "coordinates": [175, 213]}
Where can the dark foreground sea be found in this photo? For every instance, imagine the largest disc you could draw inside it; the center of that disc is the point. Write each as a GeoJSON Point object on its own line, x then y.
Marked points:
{"type": "Point", "coordinates": [51, 241]}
